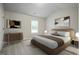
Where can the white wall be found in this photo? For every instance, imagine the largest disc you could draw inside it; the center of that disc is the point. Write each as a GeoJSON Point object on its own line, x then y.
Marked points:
{"type": "Point", "coordinates": [25, 24]}
{"type": "Point", "coordinates": [78, 17]}
{"type": "Point", "coordinates": [72, 12]}
{"type": "Point", "coordinates": [1, 25]}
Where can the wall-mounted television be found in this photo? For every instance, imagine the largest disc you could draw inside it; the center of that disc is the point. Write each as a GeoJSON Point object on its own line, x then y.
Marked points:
{"type": "Point", "coordinates": [13, 24]}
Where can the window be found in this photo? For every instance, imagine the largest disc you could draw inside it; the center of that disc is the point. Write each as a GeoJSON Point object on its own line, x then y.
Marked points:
{"type": "Point", "coordinates": [34, 26]}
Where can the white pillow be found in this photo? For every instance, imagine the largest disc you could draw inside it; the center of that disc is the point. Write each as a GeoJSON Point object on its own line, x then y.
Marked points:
{"type": "Point", "coordinates": [64, 34]}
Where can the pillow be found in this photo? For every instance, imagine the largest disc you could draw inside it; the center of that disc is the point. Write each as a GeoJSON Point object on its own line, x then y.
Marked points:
{"type": "Point", "coordinates": [55, 33]}
{"type": "Point", "coordinates": [64, 34]}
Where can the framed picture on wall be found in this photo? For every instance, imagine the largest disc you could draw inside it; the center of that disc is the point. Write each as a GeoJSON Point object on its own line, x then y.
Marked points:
{"type": "Point", "coordinates": [63, 21]}
{"type": "Point", "coordinates": [13, 24]}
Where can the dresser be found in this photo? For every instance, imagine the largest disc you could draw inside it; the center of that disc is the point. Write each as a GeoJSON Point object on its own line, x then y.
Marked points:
{"type": "Point", "coordinates": [12, 37]}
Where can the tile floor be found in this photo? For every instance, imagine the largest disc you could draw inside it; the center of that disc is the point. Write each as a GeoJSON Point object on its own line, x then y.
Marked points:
{"type": "Point", "coordinates": [25, 48]}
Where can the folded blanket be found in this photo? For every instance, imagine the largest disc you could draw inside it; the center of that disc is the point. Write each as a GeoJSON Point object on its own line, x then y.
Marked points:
{"type": "Point", "coordinates": [58, 40]}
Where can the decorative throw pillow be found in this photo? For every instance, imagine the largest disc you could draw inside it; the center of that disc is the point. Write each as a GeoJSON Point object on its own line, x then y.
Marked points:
{"type": "Point", "coordinates": [64, 34]}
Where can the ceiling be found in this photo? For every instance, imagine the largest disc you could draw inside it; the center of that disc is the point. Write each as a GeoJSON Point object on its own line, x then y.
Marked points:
{"type": "Point", "coordinates": [37, 9]}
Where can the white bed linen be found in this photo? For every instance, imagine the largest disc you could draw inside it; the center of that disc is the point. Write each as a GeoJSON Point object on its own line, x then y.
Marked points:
{"type": "Point", "coordinates": [50, 43]}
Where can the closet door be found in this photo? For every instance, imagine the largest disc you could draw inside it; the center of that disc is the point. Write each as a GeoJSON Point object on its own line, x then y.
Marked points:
{"type": "Point", "coordinates": [1, 26]}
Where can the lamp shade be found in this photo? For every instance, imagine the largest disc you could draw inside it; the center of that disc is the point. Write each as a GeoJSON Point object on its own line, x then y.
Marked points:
{"type": "Point", "coordinates": [45, 31]}
{"type": "Point", "coordinates": [77, 34]}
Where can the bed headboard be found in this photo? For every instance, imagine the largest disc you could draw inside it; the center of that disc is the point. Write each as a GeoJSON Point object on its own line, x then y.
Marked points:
{"type": "Point", "coordinates": [72, 32]}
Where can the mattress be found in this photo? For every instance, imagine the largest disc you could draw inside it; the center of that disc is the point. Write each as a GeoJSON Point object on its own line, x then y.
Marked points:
{"type": "Point", "coordinates": [50, 43]}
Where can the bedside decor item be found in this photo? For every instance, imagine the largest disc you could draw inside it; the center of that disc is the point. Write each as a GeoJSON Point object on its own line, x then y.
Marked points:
{"type": "Point", "coordinates": [77, 35]}
{"type": "Point", "coordinates": [45, 31]}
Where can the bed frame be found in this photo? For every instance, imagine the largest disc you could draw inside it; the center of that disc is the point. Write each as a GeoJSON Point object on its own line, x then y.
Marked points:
{"type": "Point", "coordinates": [56, 50]}
{"type": "Point", "coordinates": [50, 51]}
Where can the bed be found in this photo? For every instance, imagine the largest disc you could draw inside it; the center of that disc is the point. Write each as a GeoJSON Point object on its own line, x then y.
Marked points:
{"type": "Point", "coordinates": [52, 44]}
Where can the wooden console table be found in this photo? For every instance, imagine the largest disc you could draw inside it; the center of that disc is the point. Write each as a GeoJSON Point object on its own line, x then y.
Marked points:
{"type": "Point", "coordinates": [12, 37]}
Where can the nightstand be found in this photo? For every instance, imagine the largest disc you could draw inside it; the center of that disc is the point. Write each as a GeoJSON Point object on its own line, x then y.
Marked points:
{"type": "Point", "coordinates": [75, 43]}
